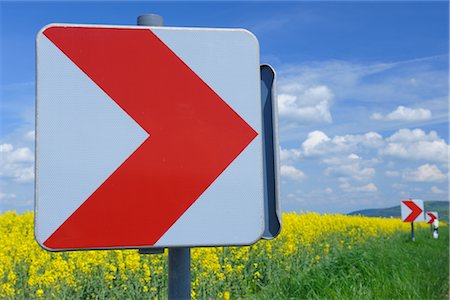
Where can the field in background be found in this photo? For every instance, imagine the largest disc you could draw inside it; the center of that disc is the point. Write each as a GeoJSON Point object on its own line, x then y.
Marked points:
{"type": "Point", "coordinates": [442, 207]}
{"type": "Point", "coordinates": [315, 257]}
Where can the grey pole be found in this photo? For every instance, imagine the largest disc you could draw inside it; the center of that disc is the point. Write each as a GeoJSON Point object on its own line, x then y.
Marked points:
{"type": "Point", "coordinates": [179, 273]}
{"type": "Point", "coordinates": [412, 232]}
{"type": "Point", "coordinates": [179, 258]}
{"type": "Point", "coordinates": [150, 20]}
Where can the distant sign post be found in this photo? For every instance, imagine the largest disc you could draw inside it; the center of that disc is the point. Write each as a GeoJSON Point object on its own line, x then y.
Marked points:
{"type": "Point", "coordinates": [430, 217]}
{"type": "Point", "coordinates": [412, 211]}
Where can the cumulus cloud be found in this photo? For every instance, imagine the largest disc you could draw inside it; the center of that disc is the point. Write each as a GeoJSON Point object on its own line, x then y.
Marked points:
{"type": "Point", "coordinates": [402, 113]}
{"type": "Point", "coordinates": [291, 172]}
{"type": "Point", "coordinates": [436, 190]}
{"type": "Point", "coordinates": [390, 173]}
{"type": "Point", "coordinates": [314, 141]}
{"type": "Point", "coordinates": [417, 144]}
{"type": "Point", "coordinates": [17, 164]}
{"type": "Point", "coordinates": [424, 173]}
{"type": "Point", "coordinates": [287, 155]}
{"type": "Point", "coordinates": [318, 143]}
{"type": "Point", "coordinates": [368, 188]}
{"type": "Point", "coordinates": [351, 166]}
{"type": "Point", "coordinates": [30, 136]}
{"type": "Point", "coordinates": [376, 116]}
{"type": "Point", "coordinates": [328, 190]}
{"type": "Point", "coordinates": [5, 196]}
{"type": "Point", "coordinates": [305, 104]}
{"type": "Point", "coordinates": [407, 144]}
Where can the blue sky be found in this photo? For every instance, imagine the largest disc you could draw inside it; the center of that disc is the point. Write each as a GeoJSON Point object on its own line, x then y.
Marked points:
{"type": "Point", "coordinates": [362, 92]}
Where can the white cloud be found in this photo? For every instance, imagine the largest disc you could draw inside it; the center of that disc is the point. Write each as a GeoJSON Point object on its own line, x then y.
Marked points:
{"type": "Point", "coordinates": [418, 145]}
{"type": "Point", "coordinates": [368, 188]}
{"type": "Point", "coordinates": [390, 173]}
{"type": "Point", "coordinates": [305, 104]}
{"type": "Point", "coordinates": [30, 136]}
{"type": "Point", "coordinates": [6, 148]}
{"type": "Point", "coordinates": [19, 155]}
{"type": "Point", "coordinates": [5, 196]}
{"type": "Point", "coordinates": [318, 143]}
{"type": "Point", "coordinates": [313, 142]}
{"type": "Point", "coordinates": [351, 166]}
{"type": "Point", "coordinates": [424, 173]}
{"type": "Point", "coordinates": [402, 113]}
{"type": "Point", "coordinates": [351, 80]}
{"type": "Point", "coordinates": [287, 155]}
{"type": "Point", "coordinates": [292, 173]}
{"type": "Point", "coordinates": [376, 116]}
{"type": "Point", "coordinates": [436, 190]}
{"type": "Point", "coordinates": [17, 164]}
{"type": "Point", "coordinates": [354, 171]}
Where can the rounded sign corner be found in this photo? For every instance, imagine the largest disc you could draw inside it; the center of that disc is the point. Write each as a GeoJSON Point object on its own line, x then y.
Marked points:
{"type": "Point", "coordinates": [250, 36]}
{"type": "Point", "coordinates": [259, 235]}
{"type": "Point", "coordinates": [41, 243]}
{"type": "Point", "coordinates": [43, 29]}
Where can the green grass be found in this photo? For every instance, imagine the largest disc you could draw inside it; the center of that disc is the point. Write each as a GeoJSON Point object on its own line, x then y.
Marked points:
{"type": "Point", "coordinates": [389, 268]}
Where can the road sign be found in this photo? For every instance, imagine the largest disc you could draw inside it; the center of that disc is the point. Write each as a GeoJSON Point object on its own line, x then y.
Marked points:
{"type": "Point", "coordinates": [148, 137]}
{"type": "Point", "coordinates": [430, 216]}
{"type": "Point", "coordinates": [412, 210]}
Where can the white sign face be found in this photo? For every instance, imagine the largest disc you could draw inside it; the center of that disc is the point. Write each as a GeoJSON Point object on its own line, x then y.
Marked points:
{"type": "Point", "coordinates": [148, 137]}
{"type": "Point", "coordinates": [430, 216]}
{"type": "Point", "coordinates": [412, 210]}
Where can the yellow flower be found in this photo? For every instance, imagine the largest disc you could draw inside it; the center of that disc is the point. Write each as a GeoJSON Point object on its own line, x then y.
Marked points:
{"type": "Point", "coordinates": [257, 275]}
{"type": "Point", "coordinates": [226, 295]}
{"type": "Point", "coordinates": [39, 293]}
{"type": "Point", "coordinates": [213, 268]}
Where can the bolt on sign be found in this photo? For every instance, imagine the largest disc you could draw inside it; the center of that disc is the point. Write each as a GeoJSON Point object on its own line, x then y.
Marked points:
{"type": "Point", "coordinates": [147, 137]}
{"type": "Point", "coordinates": [412, 210]}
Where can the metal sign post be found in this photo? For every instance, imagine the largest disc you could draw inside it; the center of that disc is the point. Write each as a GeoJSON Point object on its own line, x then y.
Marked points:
{"type": "Point", "coordinates": [412, 211]}
{"type": "Point", "coordinates": [179, 258]}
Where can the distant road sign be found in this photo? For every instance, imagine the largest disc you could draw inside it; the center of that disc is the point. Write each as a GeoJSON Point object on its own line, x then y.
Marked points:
{"type": "Point", "coordinates": [430, 216]}
{"type": "Point", "coordinates": [412, 210]}
{"type": "Point", "coordinates": [148, 137]}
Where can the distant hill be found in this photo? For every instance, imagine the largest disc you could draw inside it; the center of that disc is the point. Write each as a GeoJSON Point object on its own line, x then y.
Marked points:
{"type": "Point", "coordinates": [440, 206]}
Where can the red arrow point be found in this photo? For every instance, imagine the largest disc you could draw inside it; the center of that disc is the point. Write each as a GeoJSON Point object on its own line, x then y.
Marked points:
{"type": "Point", "coordinates": [415, 211]}
{"type": "Point", "coordinates": [432, 218]}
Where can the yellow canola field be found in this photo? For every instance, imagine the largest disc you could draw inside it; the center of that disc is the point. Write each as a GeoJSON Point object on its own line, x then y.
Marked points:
{"type": "Point", "coordinates": [27, 271]}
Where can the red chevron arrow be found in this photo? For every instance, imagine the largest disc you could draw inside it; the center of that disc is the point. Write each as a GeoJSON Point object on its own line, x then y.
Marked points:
{"type": "Point", "coordinates": [193, 137]}
{"type": "Point", "coordinates": [415, 211]}
{"type": "Point", "coordinates": [432, 218]}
